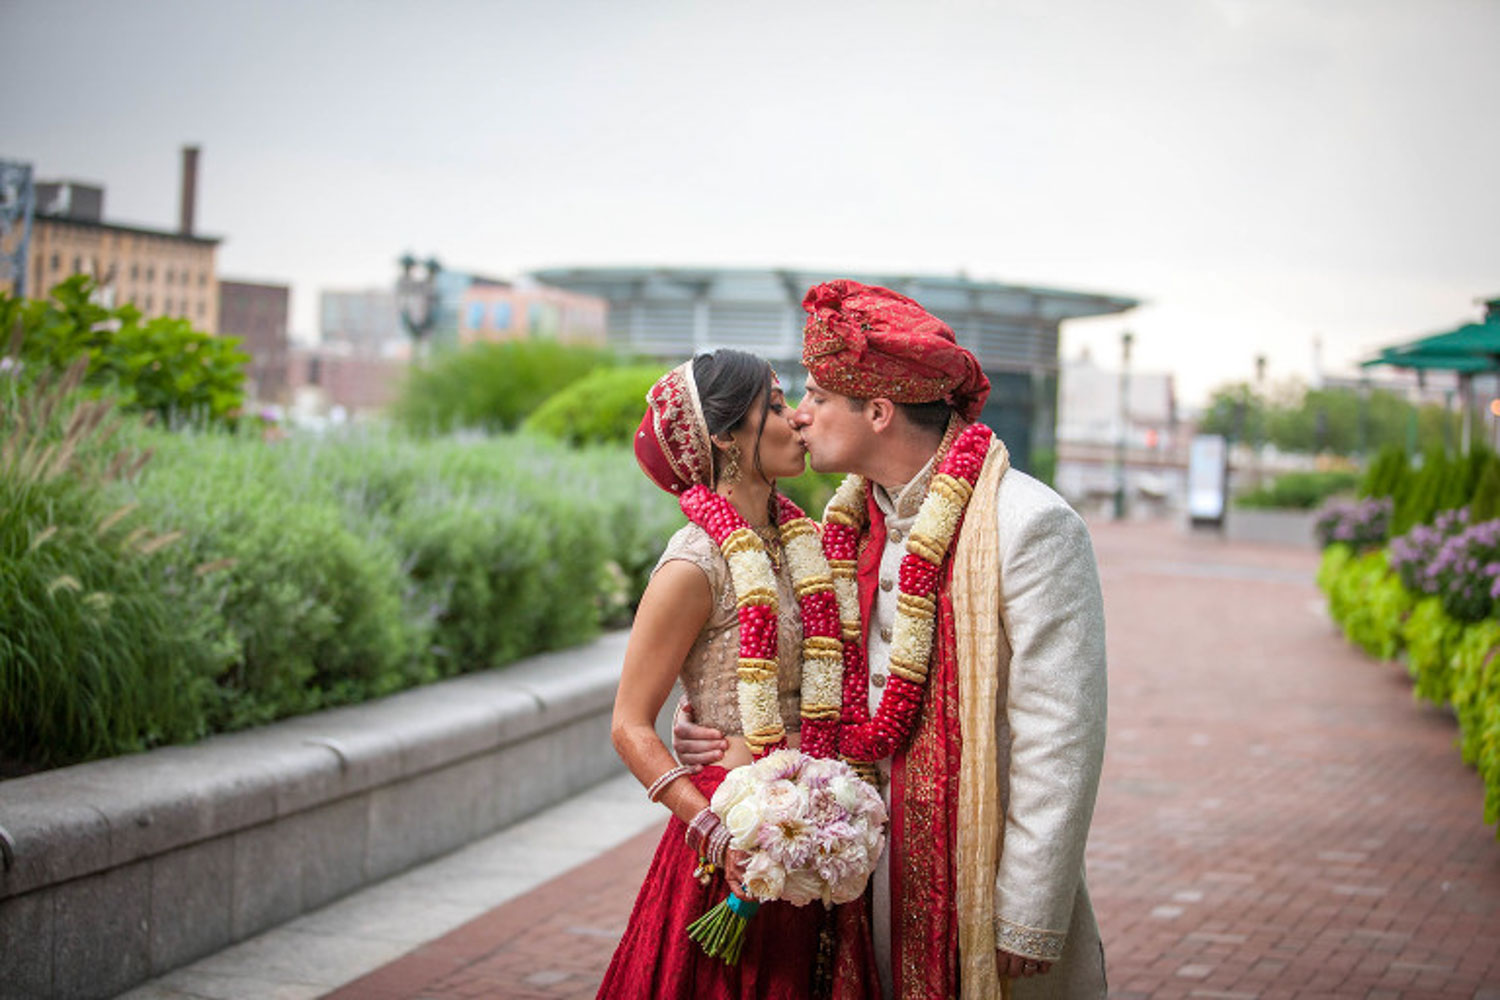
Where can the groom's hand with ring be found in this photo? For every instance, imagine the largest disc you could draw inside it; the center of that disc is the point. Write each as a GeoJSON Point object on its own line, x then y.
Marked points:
{"type": "Point", "coordinates": [695, 745]}
{"type": "Point", "coordinates": [1020, 967]}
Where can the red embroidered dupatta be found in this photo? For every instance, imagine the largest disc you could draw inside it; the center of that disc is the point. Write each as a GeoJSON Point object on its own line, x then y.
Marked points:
{"type": "Point", "coordinates": [924, 803]}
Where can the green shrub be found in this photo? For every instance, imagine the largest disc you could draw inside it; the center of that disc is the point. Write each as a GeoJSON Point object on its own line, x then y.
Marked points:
{"type": "Point", "coordinates": [489, 386]}
{"type": "Point", "coordinates": [1299, 490]}
{"type": "Point", "coordinates": [1335, 557]}
{"type": "Point", "coordinates": [1386, 473]}
{"type": "Point", "coordinates": [162, 366]}
{"type": "Point", "coordinates": [1431, 638]}
{"type": "Point", "coordinates": [1366, 599]}
{"type": "Point", "coordinates": [311, 610]}
{"type": "Point", "coordinates": [1485, 503]}
{"type": "Point", "coordinates": [1452, 662]}
{"type": "Point", "coordinates": [1421, 494]}
{"type": "Point", "coordinates": [1476, 702]}
{"type": "Point", "coordinates": [1379, 631]}
{"type": "Point", "coordinates": [603, 407]}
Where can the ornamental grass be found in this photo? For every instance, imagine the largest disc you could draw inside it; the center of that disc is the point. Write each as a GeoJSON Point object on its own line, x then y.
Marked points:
{"type": "Point", "coordinates": [97, 653]}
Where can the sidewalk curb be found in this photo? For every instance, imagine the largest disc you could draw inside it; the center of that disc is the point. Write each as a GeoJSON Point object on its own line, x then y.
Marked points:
{"type": "Point", "coordinates": [126, 868]}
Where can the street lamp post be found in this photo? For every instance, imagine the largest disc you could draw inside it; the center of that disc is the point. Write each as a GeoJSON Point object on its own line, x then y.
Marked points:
{"type": "Point", "coordinates": [1126, 339]}
{"type": "Point", "coordinates": [416, 297]}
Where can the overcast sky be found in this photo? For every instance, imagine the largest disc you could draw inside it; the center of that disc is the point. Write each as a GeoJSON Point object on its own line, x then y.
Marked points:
{"type": "Point", "coordinates": [1261, 172]}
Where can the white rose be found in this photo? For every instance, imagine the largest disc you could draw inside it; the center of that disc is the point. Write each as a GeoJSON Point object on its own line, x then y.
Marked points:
{"type": "Point", "coordinates": [846, 792]}
{"type": "Point", "coordinates": [764, 878]}
{"type": "Point", "coordinates": [850, 888]}
{"type": "Point", "coordinates": [744, 821]}
{"type": "Point", "coordinates": [732, 791]}
{"type": "Point", "coordinates": [802, 887]}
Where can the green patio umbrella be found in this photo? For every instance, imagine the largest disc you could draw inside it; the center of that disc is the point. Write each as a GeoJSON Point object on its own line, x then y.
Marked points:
{"type": "Point", "coordinates": [1470, 350]}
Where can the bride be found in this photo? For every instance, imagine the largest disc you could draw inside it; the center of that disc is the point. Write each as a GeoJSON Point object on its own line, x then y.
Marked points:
{"type": "Point", "coordinates": [717, 434]}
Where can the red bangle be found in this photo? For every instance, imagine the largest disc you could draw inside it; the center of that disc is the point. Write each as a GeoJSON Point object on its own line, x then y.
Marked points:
{"type": "Point", "coordinates": [700, 829]}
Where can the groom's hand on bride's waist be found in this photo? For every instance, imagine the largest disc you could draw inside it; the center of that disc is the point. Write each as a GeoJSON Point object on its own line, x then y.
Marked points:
{"type": "Point", "coordinates": [693, 744]}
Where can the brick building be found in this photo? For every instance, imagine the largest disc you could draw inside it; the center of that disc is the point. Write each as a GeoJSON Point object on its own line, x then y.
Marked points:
{"type": "Point", "coordinates": [162, 272]}
{"type": "Point", "coordinates": [258, 313]}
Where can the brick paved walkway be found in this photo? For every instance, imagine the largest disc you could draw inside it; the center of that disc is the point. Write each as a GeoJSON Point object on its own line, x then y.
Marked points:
{"type": "Point", "coordinates": [1278, 818]}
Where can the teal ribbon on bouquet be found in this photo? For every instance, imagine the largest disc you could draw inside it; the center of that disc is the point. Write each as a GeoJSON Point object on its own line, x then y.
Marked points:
{"type": "Point", "coordinates": [721, 931]}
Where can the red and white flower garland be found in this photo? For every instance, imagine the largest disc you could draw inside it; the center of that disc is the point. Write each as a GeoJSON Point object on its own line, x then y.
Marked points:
{"type": "Point", "coordinates": [823, 654]}
{"type": "Point", "coordinates": [863, 739]}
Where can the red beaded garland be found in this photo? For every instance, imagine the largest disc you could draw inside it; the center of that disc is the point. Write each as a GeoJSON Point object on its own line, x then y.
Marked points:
{"type": "Point", "coordinates": [759, 633]}
{"type": "Point", "coordinates": [862, 738]}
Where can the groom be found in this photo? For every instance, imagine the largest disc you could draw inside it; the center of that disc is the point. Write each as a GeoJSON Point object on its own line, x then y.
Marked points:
{"type": "Point", "coordinates": [991, 788]}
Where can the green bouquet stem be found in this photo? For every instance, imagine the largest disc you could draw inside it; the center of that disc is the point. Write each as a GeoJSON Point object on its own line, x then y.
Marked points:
{"type": "Point", "coordinates": [721, 931]}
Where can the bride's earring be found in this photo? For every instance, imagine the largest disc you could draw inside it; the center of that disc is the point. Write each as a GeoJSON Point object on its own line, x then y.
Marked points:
{"type": "Point", "coordinates": [731, 471]}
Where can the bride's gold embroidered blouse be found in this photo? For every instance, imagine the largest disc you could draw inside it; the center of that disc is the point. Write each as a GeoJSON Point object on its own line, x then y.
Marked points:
{"type": "Point", "coordinates": [708, 673]}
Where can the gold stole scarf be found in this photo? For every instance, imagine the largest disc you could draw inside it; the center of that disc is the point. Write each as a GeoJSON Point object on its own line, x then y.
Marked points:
{"type": "Point", "coordinates": [983, 675]}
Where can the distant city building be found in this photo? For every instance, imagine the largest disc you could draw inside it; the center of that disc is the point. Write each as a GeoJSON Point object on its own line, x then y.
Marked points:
{"type": "Point", "coordinates": [160, 272]}
{"type": "Point", "coordinates": [452, 288]}
{"type": "Point", "coordinates": [258, 313]}
{"type": "Point", "coordinates": [672, 312]}
{"type": "Point", "coordinates": [1089, 405]}
{"type": "Point", "coordinates": [322, 379]}
{"type": "Point", "coordinates": [365, 321]}
{"type": "Point", "coordinates": [1091, 427]}
{"type": "Point", "coordinates": [490, 312]}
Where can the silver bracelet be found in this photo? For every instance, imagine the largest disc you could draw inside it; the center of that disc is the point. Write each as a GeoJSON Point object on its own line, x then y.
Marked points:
{"type": "Point", "coordinates": [659, 786]}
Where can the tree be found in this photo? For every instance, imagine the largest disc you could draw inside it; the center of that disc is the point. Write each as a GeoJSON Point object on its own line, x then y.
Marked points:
{"type": "Point", "coordinates": [162, 365]}
{"type": "Point", "coordinates": [1338, 421]}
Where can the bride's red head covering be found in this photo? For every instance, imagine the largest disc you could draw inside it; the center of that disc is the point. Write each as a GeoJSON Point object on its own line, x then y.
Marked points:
{"type": "Point", "coordinates": [672, 444]}
{"type": "Point", "coordinates": [866, 342]}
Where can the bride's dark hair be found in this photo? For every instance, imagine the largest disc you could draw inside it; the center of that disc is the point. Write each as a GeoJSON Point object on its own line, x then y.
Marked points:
{"type": "Point", "coordinates": [728, 382]}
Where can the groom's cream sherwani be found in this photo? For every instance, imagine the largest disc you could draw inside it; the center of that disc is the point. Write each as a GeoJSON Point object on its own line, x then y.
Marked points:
{"type": "Point", "coordinates": [1049, 717]}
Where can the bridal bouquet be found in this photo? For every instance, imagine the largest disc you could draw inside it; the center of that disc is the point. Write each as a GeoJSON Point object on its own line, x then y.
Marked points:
{"type": "Point", "coordinates": [813, 829]}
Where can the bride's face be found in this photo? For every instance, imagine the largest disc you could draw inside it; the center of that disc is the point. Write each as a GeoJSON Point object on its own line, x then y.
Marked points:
{"type": "Point", "coordinates": [781, 452]}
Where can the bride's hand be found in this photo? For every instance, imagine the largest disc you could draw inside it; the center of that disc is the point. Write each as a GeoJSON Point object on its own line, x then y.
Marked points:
{"type": "Point", "coordinates": [734, 872]}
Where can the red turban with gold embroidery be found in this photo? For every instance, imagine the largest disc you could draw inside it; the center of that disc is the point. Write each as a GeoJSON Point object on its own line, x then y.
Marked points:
{"type": "Point", "coordinates": [866, 342]}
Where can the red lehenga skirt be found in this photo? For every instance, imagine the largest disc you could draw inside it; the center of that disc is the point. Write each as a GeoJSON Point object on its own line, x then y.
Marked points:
{"type": "Point", "coordinates": [657, 961]}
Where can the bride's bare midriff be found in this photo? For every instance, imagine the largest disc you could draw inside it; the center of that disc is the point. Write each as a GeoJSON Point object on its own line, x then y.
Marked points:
{"type": "Point", "coordinates": [738, 754]}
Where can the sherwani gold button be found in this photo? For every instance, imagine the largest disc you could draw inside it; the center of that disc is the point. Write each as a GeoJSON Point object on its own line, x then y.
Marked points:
{"type": "Point", "coordinates": [878, 680]}
{"type": "Point", "coordinates": [896, 534]}
{"type": "Point", "coordinates": [885, 633]}
{"type": "Point", "coordinates": [886, 585]}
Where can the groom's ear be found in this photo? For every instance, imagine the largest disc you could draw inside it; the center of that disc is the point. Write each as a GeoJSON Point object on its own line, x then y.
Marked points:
{"type": "Point", "coordinates": [880, 412]}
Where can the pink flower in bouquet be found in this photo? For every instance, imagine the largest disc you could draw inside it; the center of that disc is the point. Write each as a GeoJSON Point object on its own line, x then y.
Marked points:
{"type": "Point", "coordinates": [791, 842]}
{"type": "Point", "coordinates": [823, 808]}
{"type": "Point", "coordinates": [780, 765]}
{"type": "Point", "coordinates": [784, 801]}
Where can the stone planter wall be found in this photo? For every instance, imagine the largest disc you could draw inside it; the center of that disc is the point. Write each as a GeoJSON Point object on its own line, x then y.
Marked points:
{"type": "Point", "coordinates": [1276, 527]}
{"type": "Point", "coordinates": [116, 871]}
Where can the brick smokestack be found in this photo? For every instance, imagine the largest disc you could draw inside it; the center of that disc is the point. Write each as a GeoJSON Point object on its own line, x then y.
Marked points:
{"type": "Point", "coordinates": [189, 189]}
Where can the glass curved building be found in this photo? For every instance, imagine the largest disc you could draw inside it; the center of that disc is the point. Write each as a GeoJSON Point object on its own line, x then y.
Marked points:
{"type": "Point", "coordinates": [669, 313]}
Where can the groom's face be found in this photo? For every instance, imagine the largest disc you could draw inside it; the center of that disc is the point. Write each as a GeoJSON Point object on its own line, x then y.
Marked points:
{"type": "Point", "coordinates": [833, 428]}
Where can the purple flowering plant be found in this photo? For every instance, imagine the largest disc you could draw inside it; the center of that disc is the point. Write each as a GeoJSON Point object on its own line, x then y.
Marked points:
{"type": "Point", "coordinates": [1359, 524]}
{"type": "Point", "coordinates": [1452, 560]}
{"type": "Point", "coordinates": [1414, 553]}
